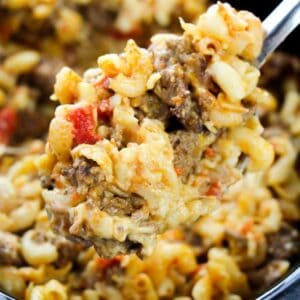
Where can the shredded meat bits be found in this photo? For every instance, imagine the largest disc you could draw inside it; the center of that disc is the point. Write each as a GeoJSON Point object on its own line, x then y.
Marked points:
{"type": "Point", "coordinates": [179, 66]}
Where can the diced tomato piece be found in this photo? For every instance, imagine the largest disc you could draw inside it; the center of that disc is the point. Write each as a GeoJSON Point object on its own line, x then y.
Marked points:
{"type": "Point", "coordinates": [214, 190]}
{"type": "Point", "coordinates": [75, 198]}
{"type": "Point", "coordinates": [107, 263]}
{"type": "Point", "coordinates": [210, 152]}
{"type": "Point", "coordinates": [104, 110]}
{"type": "Point", "coordinates": [84, 126]}
{"type": "Point", "coordinates": [8, 124]}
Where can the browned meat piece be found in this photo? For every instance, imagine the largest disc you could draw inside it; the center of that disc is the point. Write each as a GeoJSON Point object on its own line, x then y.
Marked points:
{"type": "Point", "coordinates": [28, 31]}
{"type": "Point", "coordinates": [262, 278]}
{"type": "Point", "coordinates": [195, 240]}
{"type": "Point", "coordinates": [31, 124]}
{"type": "Point", "coordinates": [67, 250]}
{"type": "Point", "coordinates": [83, 173]}
{"type": "Point", "coordinates": [43, 76]}
{"type": "Point", "coordinates": [107, 247]}
{"type": "Point", "coordinates": [9, 249]}
{"type": "Point", "coordinates": [236, 241]}
{"type": "Point", "coordinates": [187, 152]}
{"type": "Point", "coordinates": [285, 243]}
{"type": "Point", "coordinates": [281, 65]}
{"type": "Point", "coordinates": [85, 177]}
{"type": "Point", "coordinates": [153, 108]}
{"type": "Point", "coordinates": [99, 16]}
{"type": "Point", "coordinates": [118, 206]}
{"type": "Point", "coordinates": [178, 64]}
{"type": "Point", "coordinates": [111, 248]}
{"type": "Point", "coordinates": [62, 223]}
{"type": "Point", "coordinates": [47, 182]}
{"type": "Point", "coordinates": [173, 90]}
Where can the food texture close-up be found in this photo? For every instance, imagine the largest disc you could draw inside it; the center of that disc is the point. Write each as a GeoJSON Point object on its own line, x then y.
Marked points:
{"type": "Point", "coordinates": [143, 152]}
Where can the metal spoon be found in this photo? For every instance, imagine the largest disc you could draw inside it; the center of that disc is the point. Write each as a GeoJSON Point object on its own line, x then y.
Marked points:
{"type": "Point", "coordinates": [277, 26]}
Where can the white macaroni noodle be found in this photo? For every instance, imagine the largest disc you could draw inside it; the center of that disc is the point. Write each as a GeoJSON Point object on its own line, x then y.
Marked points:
{"type": "Point", "coordinates": [170, 172]}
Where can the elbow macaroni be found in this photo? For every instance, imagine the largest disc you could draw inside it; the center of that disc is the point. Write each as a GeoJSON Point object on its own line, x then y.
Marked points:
{"type": "Point", "coordinates": [35, 252]}
{"type": "Point", "coordinates": [233, 237]}
{"type": "Point", "coordinates": [52, 290]}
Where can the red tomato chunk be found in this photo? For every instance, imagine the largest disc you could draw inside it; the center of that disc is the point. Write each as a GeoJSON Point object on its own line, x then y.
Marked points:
{"type": "Point", "coordinates": [8, 124]}
{"type": "Point", "coordinates": [214, 190]}
{"type": "Point", "coordinates": [107, 263]}
{"type": "Point", "coordinates": [84, 126]}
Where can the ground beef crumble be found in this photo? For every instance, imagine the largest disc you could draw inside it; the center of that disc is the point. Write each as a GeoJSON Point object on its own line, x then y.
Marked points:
{"type": "Point", "coordinates": [187, 152]}
{"type": "Point", "coordinates": [85, 177]}
{"type": "Point", "coordinates": [10, 249]}
{"type": "Point", "coordinates": [285, 243]}
{"type": "Point", "coordinates": [179, 67]}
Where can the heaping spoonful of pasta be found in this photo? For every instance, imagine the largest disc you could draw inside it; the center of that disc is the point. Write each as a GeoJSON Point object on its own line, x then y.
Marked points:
{"type": "Point", "coordinates": [152, 138]}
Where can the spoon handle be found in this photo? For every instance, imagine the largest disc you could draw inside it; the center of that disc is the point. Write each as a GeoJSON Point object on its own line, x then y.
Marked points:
{"type": "Point", "coordinates": [278, 25]}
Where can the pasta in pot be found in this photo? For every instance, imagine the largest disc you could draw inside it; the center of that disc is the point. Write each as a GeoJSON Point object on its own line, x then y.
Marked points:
{"type": "Point", "coordinates": [159, 134]}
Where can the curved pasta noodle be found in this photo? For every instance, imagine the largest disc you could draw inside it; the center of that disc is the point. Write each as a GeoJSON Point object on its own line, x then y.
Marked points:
{"type": "Point", "coordinates": [24, 216]}
{"type": "Point", "coordinates": [228, 79]}
{"type": "Point", "coordinates": [52, 290]}
{"type": "Point", "coordinates": [259, 150]}
{"type": "Point", "coordinates": [35, 252]}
